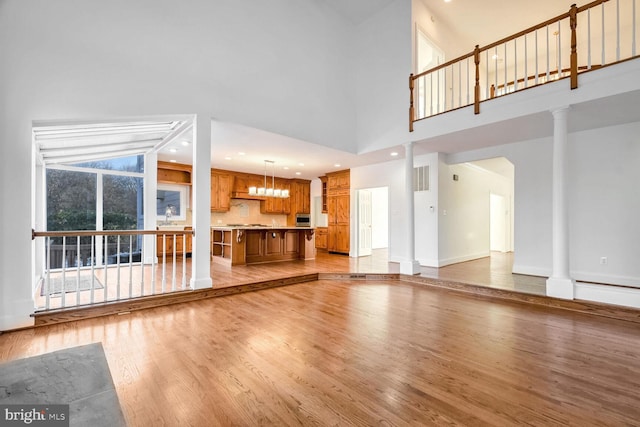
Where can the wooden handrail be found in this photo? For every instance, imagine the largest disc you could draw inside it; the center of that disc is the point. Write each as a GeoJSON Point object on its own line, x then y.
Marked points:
{"type": "Point", "coordinates": [590, 5]}
{"type": "Point", "coordinates": [551, 73]}
{"type": "Point", "coordinates": [85, 233]}
{"type": "Point", "coordinates": [439, 67]}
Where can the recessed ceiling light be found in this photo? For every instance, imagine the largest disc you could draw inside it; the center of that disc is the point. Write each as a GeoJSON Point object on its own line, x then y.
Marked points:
{"type": "Point", "coordinates": [298, 173]}
{"type": "Point", "coordinates": [447, 1]}
{"type": "Point", "coordinates": [240, 153]}
{"type": "Point", "coordinates": [300, 164]}
{"type": "Point", "coordinates": [227, 158]}
{"type": "Point", "coordinates": [337, 165]}
{"type": "Point", "coordinates": [173, 161]}
{"type": "Point", "coordinates": [395, 153]}
{"type": "Point", "coordinates": [185, 143]}
{"type": "Point", "coordinates": [286, 168]}
{"type": "Point", "coordinates": [173, 150]}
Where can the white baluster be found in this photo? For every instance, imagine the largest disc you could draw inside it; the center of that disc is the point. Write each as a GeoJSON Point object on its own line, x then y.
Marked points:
{"type": "Point", "coordinates": [106, 263]}
{"type": "Point", "coordinates": [93, 268]}
{"type": "Point", "coordinates": [184, 262]}
{"type": "Point", "coordinates": [603, 40]}
{"type": "Point", "coordinates": [175, 249]}
{"type": "Point", "coordinates": [547, 54]}
{"type": "Point", "coordinates": [536, 55]}
{"type": "Point", "coordinates": [130, 265]}
{"type": "Point", "coordinates": [118, 269]}
{"type": "Point", "coordinates": [633, 29]}
{"type": "Point", "coordinates": [64, 271]}
{"type": "Point", "coordinates": [617, 30]}
{"type": "Point", "coordinates": [48, 278]}
{"type": "Point", "coordinates": [78, 262]}
{"type": "Point", "coordinates": [164, 262]}
{"type": "Point", "coordinates": [589, 38]}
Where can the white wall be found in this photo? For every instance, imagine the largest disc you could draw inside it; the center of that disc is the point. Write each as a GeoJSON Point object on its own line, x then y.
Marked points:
{"type": "Point", "coordinates": [445, 37]}
{"type": "Point", "coordinates": [382, 62]}
{"type": "Point", "coordinates": [282, 66]}
{"type": "Point", "coordinates": [464, 229]}
{"type": "Point", "coordinates": [426, 212]}
{"type": "Point", "coordinates": [604, 201]}
{"type": "Point", "coordinates": [532, 200]}
{"type": "Point", "coordinates": [380, 217]}
{"type": "Point", "coordinates": [604, 195]}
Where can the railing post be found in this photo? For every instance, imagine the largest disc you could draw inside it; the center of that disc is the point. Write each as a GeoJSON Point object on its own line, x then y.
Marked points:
{"type": "Point", "coordinates": [411, 108]}
{"type": "Point", "coordinates": [476, 96]}
{"type": "Point", "coordinates": [573, 22]}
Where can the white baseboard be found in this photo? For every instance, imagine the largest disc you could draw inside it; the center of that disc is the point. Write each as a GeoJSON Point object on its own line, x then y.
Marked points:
{"type": "Point", "coordinates": [455, 260]}
{"type": "Point", "coordinates": [608, 294]}
{"type": "Point", "coordinates": [531, 271]}
{"type": "Point", "coordinates": [610, 279]}
{"type": "Point", "coordinates": [203, 283]}
{"type": "Point", "coordinates": [429, 263]}
{"type": "Point", "coordinates": [19, 315]}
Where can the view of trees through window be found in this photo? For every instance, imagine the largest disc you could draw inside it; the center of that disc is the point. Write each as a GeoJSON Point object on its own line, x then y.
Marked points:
{"type": "Point", "coordinates": [74, 202]}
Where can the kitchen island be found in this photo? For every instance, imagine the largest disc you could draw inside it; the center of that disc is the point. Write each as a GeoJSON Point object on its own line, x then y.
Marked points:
{"type": "Point", "coordinates": [241, 244]}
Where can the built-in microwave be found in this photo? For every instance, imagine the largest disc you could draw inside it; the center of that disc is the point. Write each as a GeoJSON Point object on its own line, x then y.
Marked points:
{"type": "Point", "coordinates": [303, 220]}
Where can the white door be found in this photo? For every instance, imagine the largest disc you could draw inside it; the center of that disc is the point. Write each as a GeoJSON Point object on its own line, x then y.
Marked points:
{"type": "Point", "coordinates": [364, 222]}
{"type": "Point", "coordinates": [498, 227]}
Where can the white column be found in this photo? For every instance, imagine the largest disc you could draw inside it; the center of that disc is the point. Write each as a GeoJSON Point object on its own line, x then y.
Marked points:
{"type": "Point", "coordinates": [410, 265]}
{"type": "Point", "coordinates": [150, 204]}
{"type": "Point", "coordinates": [560, 284]}
{"type": "Point", "coordinates": [201, 176]}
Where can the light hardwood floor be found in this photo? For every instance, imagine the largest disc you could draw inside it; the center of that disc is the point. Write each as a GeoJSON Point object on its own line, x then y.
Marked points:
{"type": "Point", "coordinates": [359, 353]}
{"type": "Point", "coordinates": [493, 271]}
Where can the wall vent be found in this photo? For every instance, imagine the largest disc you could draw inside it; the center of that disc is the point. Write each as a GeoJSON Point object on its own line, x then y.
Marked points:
{"type": "Point", "coordinates": [421, 178]}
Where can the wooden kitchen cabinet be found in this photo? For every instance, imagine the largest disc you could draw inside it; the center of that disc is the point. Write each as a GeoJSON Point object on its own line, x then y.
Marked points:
{"type": "Point", "coordinates": [338, 211]}
{"type": "Point", "coordinates": [173, 243]}
{"type": "Point", "coordinates": [323, 180]}
{"type": "Point", "coordinates": [277, 205]}
{"type": "Point", "coordinates": [300, 195]}
{"type": "Point", "coordinates": [174, 173]}
{"type": "Point", "coordinates": [321, 237]}
{"type": "Point", "coordinates": [221, 184]}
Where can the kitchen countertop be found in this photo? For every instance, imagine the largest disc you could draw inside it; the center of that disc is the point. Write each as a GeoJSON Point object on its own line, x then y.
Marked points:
{"type": "Point", "coordinates": [257, 227]}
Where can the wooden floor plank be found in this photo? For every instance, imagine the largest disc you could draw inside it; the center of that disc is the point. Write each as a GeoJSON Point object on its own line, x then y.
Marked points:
{"type": "Point", "coordinates": [339, 352]}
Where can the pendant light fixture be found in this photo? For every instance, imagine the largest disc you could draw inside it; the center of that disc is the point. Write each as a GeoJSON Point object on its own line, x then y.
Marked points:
{"type": "Point", "coordinates": [269, 191]}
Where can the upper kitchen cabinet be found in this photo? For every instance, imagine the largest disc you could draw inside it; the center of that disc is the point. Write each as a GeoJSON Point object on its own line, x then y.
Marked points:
{"type": "Point", "coordinates": [221, 184]}
{"type": "Point", "coordinates": [174, 173]}
{"type": "Point", "coordinates": [323, 180]}
{"type": "Point", "coordinates": [277, 205]}
{"type": "Point", "coordinates": [300, 196]}
{"type": "Point", "coordinates": [338, 182]}
{"type": "Point", "coordinates": [300, 199]}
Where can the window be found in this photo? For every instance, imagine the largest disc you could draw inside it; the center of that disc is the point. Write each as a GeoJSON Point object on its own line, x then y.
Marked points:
{"type": "Point", "coordinates": [172, 202]}
{"type": "Point", "coordinates": [95, 195]}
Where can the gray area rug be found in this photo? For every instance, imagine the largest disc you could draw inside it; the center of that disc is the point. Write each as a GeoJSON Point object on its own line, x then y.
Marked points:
{"type": "Point", "coordinates": [77, 376]}
{"type": "Point", "coordinates": [71, 284]}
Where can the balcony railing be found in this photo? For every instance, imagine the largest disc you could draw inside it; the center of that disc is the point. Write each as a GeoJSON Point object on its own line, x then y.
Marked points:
{"type": "Point", "coordinates": [78, 268]}
{"type": "Point", "coordinates": [600, 33]}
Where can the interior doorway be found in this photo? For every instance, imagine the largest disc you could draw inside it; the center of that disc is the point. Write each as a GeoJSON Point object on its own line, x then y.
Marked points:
{"type": "Point", "coordinates": [372, 207]}
{"type": "Point", "coordinates": [498, 217]}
